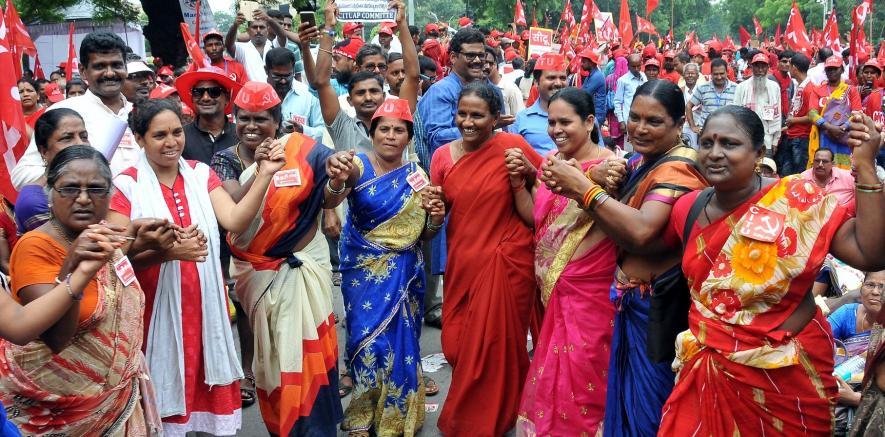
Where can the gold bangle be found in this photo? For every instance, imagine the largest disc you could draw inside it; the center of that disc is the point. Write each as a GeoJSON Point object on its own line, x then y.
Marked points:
{"type": "Point", "coordinates": [325, 50]}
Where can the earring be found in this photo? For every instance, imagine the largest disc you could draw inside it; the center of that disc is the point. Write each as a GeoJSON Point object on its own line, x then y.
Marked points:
{"type": "Point", "coordinates": [759, 166]}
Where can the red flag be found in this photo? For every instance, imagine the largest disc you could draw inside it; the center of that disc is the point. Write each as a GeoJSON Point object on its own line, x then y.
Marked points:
{"type": "Point", "coordinates": [587, 14]}
{"type": "Point", "coordinates": [744, 36]}
{"type": "Point", "coordinates": [197, 22]}
{"type": "Point", "coordinates": [608, 31]}
{"type": "Point", "coordinates": [568, 16]}
{"type": "Point", "coordinates": [831, 33]}
{"type": "Point", "coordinates": [625, 25]}
{"type": "Point", "coordinates": [535, 18]}
{"type": "Point", "coordinates": [13, 130]}
{"type": "Point", "coordinates": [20, 42]}
{"type": "Point", "coordinates": [881, 55]}
{"type": "Point", "coordinates": [38, 69]}
{"type": "Point", "coordinates": [857, 39]}
{"type": "Point", "coordinates": [757, 25]}
{"type": "Point", "coordinates": [72, 64]}
{"type": "Point", "coordinates": [777, 34]}
{"type": "Point", "coordinates": [193, 49]}
{"type": "Point", "coordinates": [650, 5]}
{"type": "Point", "coordinates": [518, 14]}
{"type": "Point", "coordinates": [796, 35]}
{"type": "Point", "coordinates": [645, 26]}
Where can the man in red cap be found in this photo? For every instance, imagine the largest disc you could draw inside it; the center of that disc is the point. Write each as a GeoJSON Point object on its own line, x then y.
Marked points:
{"type": "Point", "coordinates": [550, 75]}
{"type": "Point", "coordinates": [651, 68]}
{"type": "Point", "coordinates": [594, 83]}
{"type": "Point", "coordinates": [344, 63]}
{"type": "Point", "coordinates": [792, 154]}
{"type": "Point", "coordinates": [166, 75]}
{"type": "Point", "coordinates": [669, 72]}
{"type": "Point", "coordinates": [762, 96]}
{"type": "Point", "coordinates": [870, 94]}
{"type": "Point", "coordinates": [353, 30]}
{"type": "Point", "coordinates": [251, 54]}
{"type": "Point", "coordinates": [513, 102]}
{"type": "Point", "coordinates": [831, 103]}
{"type": "Point", "coordinates": [431, 30]}
{"type": "Point", "coordinates": [213, 46]}
{"type": "Point", "coordinates": [464, 22]}
{"type": "Point", "coordinates": [53, 93]}
{"type": "Point", "coordinates": [385, 39]}
{"type": "Point", "coordinates": [209, 92]}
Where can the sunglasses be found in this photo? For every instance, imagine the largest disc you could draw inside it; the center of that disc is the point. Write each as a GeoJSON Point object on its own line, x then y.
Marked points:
{"type": "Point", "coordinates": [214, 91]}
{"type": "Point", "coordinates": [427, 78]}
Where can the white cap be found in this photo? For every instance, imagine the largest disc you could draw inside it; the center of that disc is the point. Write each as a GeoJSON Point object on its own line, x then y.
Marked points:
{"type": "Point", "coordinates": [768, 162]}
{"type": "Point", "coordinates": [138, 67]}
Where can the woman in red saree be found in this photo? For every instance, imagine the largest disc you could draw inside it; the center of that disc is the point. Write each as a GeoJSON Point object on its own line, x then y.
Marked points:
{"type": "Point", "coordinates": [489, 286]}
{"type": "Point", "coordinates": [758, 358]}
{"type": "Point", "coordinates": [564, 392]}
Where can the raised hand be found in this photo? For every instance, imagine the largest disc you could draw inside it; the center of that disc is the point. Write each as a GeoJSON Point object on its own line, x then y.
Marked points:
{"type": "Point", "coordinates": [400, 10]}
{"type": "Point", "coordinates": [563, 178]}
{"type": "Point", "coordinates": [241, 18]}
{"type": "Point", "coordinates": [270, 156]}
{"type": "Point", "coordinates": [307, 33]}
{"type": "Point", "coordinates": [330, 13]}
{"type": "Point", "coordinates": [340, 165]}
{"type": "Point", "coordinates": [863, 138]}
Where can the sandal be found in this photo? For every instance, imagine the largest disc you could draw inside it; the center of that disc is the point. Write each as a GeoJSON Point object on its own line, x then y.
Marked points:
{"type": "Point", "coordinates": [344, 388]}
{"type": "Point", "coordinates": [431, 388]}
{"type": "Point", "coordinates": [247, 395]}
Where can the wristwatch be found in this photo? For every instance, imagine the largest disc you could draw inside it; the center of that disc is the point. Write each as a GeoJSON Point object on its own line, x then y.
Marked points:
{"type": "Point", "coordinates": [330, 31]}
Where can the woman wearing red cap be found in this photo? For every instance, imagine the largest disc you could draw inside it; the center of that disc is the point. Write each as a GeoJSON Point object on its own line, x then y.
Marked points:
{"type": "Point", "coordinates": [189, 344]}
{"type": "Point", "coordinates": [489, 286]}
{"type": "Point", "coordinates": [383, 274]}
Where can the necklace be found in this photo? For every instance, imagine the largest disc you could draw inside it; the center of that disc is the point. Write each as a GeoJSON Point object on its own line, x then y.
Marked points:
{"type": "Point", "coordinates": [60, 232]}
{"type": "Point", "coordinates": [377, 164]}
{"type": "Point", "coordinates": [758, 187]}
{"type": "Point", "coordinates": [237, 154]}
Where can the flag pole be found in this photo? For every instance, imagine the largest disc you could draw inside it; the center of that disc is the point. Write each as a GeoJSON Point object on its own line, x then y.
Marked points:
{"type": "Point", "coordinates": [672, 17]}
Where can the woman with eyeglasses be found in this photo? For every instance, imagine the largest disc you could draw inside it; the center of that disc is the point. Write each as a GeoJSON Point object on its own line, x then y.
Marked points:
{"type": "Point", "coordinates": [85, 375]}
{"type": "Point", "coordinates": [189, 345]}
{"type": "Point", "coordinates": [870, 415]}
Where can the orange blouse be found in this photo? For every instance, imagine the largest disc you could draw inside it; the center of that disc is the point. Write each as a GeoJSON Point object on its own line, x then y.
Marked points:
{"type": "Point", "coordinates": [36, 259]}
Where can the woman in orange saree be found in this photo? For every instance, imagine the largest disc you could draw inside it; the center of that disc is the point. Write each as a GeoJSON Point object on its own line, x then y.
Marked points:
{"type": "Point", "coordinates": [758, 358]}
{"type": "Point", "coordinates": [489, 286]}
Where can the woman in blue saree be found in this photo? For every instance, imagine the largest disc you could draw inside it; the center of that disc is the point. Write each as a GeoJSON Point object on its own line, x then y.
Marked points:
{"type": "Point", "coordinates": [383, 276]}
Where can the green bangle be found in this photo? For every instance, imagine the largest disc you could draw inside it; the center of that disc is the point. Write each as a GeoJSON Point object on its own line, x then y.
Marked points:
{"type": "Point", "coordinates": [862, 190]}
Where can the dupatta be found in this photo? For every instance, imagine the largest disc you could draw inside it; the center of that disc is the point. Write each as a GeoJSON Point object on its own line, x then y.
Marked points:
{"type": "Point", "coordinates": [835, 111]}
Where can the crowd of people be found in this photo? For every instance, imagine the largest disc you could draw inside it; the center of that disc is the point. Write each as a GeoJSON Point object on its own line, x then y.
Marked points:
{"type": "Point", "coordinates": [643, 241]}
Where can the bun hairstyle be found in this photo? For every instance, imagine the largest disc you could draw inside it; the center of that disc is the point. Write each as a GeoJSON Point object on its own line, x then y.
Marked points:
{"type": "Point", "coordinates": [581, 103]}
{"type": "Point", "coordinates": [483, 91]}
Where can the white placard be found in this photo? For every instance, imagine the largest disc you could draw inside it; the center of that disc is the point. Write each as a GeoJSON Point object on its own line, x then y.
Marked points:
{"type": "Point", "coordinates": [207, 19]}
{"type": "Point", "coordinates": [366, 11]}
{"type": "Point", "coordinates": [106, 139]}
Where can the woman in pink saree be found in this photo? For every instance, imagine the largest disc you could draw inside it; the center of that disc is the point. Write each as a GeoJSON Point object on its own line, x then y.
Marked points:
{"type": "Point", "coordinates": [564, 392]}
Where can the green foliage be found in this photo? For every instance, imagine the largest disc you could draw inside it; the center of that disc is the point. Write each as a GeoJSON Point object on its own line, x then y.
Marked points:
{"type": "Point", "coordinates": [32, 11]}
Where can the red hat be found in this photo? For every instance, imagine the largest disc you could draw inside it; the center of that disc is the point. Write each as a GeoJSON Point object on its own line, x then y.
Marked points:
{"type": "Point", "coordinates": [493, 43]}
{"type": "Point", "coordinates": [62, 65]}
{"type": "Point", "coordinates": [495, 34]}
{"type": "Point", "coordinates": [256, 97]}
{"type": "Point", "coordinates": [186, 82]}
{"type": "Point", "coordinates": [833, 61]}
{"type": "Point", "coordinates": [590, 54]}
{"type": "Point", "coordinates": [760, 58]}
{"type": "Point", "coordinates": [524, 35]}
{"type": "Point", "coordinates": [551, 61]}
{"type": "Point", "coordinates": [714, 44]}
{"type": "Point", "coordinates": [385, 28]}
{"type": "Point", "coordinates": [649, 50]}
{"type": "Point", "coordinates": [535, 56]}
{"type": "Point", "coordinates": [53, 92]}
{"type": "Point", "coordinates": [214, 33]}
{"type": "Point", "coordinates": [165, 71]}
{"type": "Point", "coordinates": [619, 53]}
{"type": "Point", "coordinates": [431, 27]}
{"type": "Point", "coordinates": [696, 50]}
{"type": "Point", "coordinates": [652, 62]}
{"type": "Point", "coordinates": [669, 54]}
{"type": "Point", "coordinates": [349, 51]}
{"type": "Point", "coordinates": [394, 108]}
{"type": "Point", "coordinates": [162, 91]}
{"type": "Point", "coordinates": [352, 27]}
{"type": "Point", "coordinates": [873, 63]}
{"type": "Point", "coordinates": [510, 54]}
{"type": "Point", "coordinates": [464, 21]}
{"type": "Point", "coordinates": [729, 46]}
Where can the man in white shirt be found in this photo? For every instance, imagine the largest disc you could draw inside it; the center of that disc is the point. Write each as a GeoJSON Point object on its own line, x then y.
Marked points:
{"type": "Point", "coordinates": [626, 88]}
{"type": "Point", "coordinates": [104, 109]}
{"type": "Point", "coordinates": [513, 103]}
{"type": "Point", "coordinates": [251, 54]}
{"type": "Point", "coordinates": [762, 96]}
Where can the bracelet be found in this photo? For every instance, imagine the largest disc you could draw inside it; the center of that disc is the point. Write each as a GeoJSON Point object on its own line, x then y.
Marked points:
{"type": "Point", "coordinates": [819, 121]}
{"type": "Point", "coordinates": [75, 297]}
{"type": "Point", "coordinates": [868, 186]}
{"type": "Point", "coordinates": [862, 190]}
{"type": "Point", "coordinates": [325, 50]}
{"type": "Point", "coordinates": [432, 227]}
{"type": "Point", "coordinates": [333, 190]}
{"type": "Point", "coordinates": [330, 31]}
{"type": "Point", "coordinates": [599, 200]}
{"type": "Point", "coordinates": [590, 195]}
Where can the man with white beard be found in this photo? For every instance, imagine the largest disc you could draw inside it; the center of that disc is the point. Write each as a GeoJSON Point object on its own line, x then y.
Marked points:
{"type": "Point", "coordinates": [762, 96]}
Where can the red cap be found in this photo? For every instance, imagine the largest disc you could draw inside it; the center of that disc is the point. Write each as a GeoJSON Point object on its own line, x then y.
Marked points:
{"type": "Point", "coordinates": [873, 63]}
{"type": "Point", "coordinates": [761, 58]}
{"type": "Point", "coordinates": [619, 53]}
{"type": "Point", "coordinates": [652, 63]}
{"type": "Point", "coordinates": [524, 35]}
{"type": "Point", "coordinates": [350, 49]}
{"type": "Point", "coordinates": [186, 82]}
{"type": "Point", "coordinates": [493, 43]}
{"type": "Point", "coordinates": [464, 21]}
{"type": "Point", "coordinates": [162, 91]}
{"type": "Point", "coordinates": [669, 54]}
{"type": "Point", "coordinates": [352, 27]}
{"type": "Point", "coordinates": [431, 27]}
{"type": "Point", "coordinates": [53, 92]}
{"type": "Point", "coordinates": [551, 62]}
{"type": "Point", "coordinates": [714, 44]}
{"type": "Point", "coordinates": [495, 34]}
{"type": "Point", "coordinates": [590, 54]}
{"type": "Point", "coordinates": [510, 54]}
{"type": "Point", "coordinates": [696, 50]}
{"type": "Point", "coordinates": [729, 46]}
{"type": "Point", "coordinates": [386, 28]}
{"type": "Point", "coordinates": [394, 108]}
{"type": "Point", "coordinates": [256, 97]}
{"type": "Point", "coordinates": [649, 50]}
{"type": "Point", "coordinates": [833, 61]}
{"type": "Point", "coordinates": [165, 71]}
{"type": "Point", "coordinates": [214, 33]}
{"type": "Point", "coordinates": [535, 56]}
{"type": "Point", "coordinates": [62, 65]}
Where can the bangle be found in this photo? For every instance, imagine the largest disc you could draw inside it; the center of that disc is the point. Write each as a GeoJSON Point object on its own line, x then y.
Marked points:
{"type": "Point", "coordinates": [599, 200]}
{"type": "Point", "coordinates": [862, 190]}
{"type": "Point", "coordinates": [75, 297]}
{"type": "Point", "coordinates": [432, 227]}
{"type": "Point", "coordinates": [333, 190]}
{"type": "Point", "coordinates": [519, 187]}
{"type": "Point", "coordinates": [325, 50]}
{"type": "Point", "coordinates": [868, 186]}
{"type": "Point", "coordinates": [591, 193]}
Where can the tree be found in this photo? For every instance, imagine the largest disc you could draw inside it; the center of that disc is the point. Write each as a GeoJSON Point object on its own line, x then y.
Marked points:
{"type": "Point", "coordinates": [34, 11]}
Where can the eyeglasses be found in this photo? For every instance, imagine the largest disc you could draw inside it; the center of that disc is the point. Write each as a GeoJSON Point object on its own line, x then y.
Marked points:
{"type": "Point", "coordinates": [874, 286]}
{"type": "Point", "coordinates": [281, 77]}
{"type": "Point", "coordinates": [214, 91]}
{"type": "Point", "coordinates": [74, 192]}
{"type": "Point", "coordinates": [821, 161]}
{"type": "Point", "coordinates": [473, 56]}
{"type": "Point", "coordinates": [427, 78]}
{"type": "Point", "coordinates": [379, 67]}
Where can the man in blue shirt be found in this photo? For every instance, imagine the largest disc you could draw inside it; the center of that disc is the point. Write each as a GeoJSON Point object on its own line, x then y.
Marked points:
{"type": "Point", "coordinates": [594, 83]}
{"type": "Point", "coordinates": [550, 76]}
{"type": "Point", "coordinates": [625, 90]}
{"type": "Point", "coordinates": [300, 108]}
{"type": "Point", "coordinates": [437, 108]}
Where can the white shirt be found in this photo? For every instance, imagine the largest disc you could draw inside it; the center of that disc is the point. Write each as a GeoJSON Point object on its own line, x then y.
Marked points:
{"type": "Point", "coordinates": [512, 76]}
{"type": "Point", "coordinates": [512, 97]}
{"type": "Point", "coordinates": [253, 61]}
{"type": "Point", "coordinates": [96, 116]}
{"type": "Point", "coordinates": [395, 45]}
{"type": "Point", "coordinates": [767, 107]}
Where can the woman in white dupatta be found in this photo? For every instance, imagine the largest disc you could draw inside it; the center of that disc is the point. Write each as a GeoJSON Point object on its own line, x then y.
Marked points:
{"type": "Point", "coordinates": [190, 349]}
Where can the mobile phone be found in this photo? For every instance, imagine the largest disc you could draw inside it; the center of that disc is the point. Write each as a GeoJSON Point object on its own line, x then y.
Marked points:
{"type": "Point", "coordinates": [308, 17]}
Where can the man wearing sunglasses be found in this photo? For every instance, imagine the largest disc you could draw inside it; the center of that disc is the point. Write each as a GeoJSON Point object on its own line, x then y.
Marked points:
{"type": "Point", "coordinates": [209, 92]}
{"type": "Point", "coordinates": [301, 110]}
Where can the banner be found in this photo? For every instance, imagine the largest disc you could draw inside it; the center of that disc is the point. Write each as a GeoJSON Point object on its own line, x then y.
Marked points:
{"type": "Point", "coordinates": [366, 11]}
{"type": "Point", "coordinates": [540, 40]}
{"type": "Point", "coordinates": [605, 27]}
{"type": "Point", "coordinates": [207, 20]}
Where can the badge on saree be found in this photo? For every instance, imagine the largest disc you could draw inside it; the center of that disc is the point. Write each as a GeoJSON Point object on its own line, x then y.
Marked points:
{"type": "Point", "coordinates": [761, 224]}
{"type": "Point", "coordinates": [417, 181]}
{"type": "Point", "coordinates": [287, 178]}
{"type": "Point", "coordinates": [125, 271]}
{"type": "Point", "coordinates": [768, 112]}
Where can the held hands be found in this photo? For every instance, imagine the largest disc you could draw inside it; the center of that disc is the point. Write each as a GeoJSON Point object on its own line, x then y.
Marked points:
{"type": "Point", "coordinates": [190, 245]}
{"type": "Point", "coordinates": [95, 246]}
{"type": "Point", "coordinates": [863, 138]}
{"type": "Point", "coordinates": [339, 167]}
{"type": "Point", "coordinates": [609, 174]}
{"type": "Point", "coordinates": [432, 202]}
{"type": "Point", "coordinates": [151, 234]}
{"type": "Point", "coordinates": [517, 166]}
{"type": "Point", "coordinates": [270, 156]}
{"type": "Point", "coordinates": [564, 178]}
